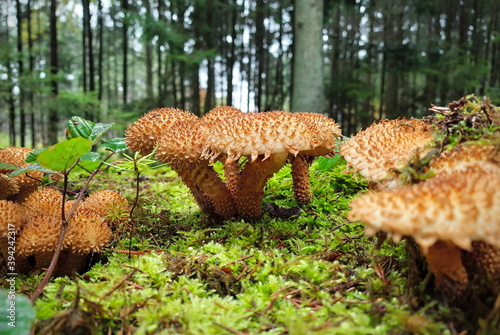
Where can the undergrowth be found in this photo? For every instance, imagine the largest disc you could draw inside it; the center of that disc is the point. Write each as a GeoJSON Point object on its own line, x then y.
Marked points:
{"type": "Point", "coordinates": [311, 272]}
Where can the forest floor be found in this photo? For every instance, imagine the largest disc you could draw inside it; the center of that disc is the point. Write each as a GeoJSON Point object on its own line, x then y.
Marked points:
{"type": "Point", "coordinates": [311, 273]}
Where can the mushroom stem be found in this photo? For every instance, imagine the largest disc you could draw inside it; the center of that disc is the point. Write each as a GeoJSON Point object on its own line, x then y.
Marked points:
{"type": "Point", "coordinates": [208, 190]}
{"type": "Point", "coordinates": [444, 259]}
{"type": "Point", "coordinates": [233, 173]}
{"type": "Point", "coordinates": [300, 178]}
{"type": "Point", "coordinates": [251, 187]}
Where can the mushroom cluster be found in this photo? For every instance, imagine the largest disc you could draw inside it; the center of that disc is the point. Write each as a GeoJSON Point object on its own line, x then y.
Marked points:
{"type": "Point", "coordinates": [36, 225]}
{"type": "Point", "coordinates": [454, 213]}
{"type": "Point", "coordinates": [251, 146]}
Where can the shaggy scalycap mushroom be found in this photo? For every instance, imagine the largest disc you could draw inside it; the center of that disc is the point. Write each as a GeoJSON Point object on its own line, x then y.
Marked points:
{"type": "Point", "coordinates": [108, 204]}
{"type": "Point", "coordinates": [267, 139]}
{"type": "Point", "coordinates": [442, 214]}
{"type": "Point", "coordinates": [8, 186]}
{"type": "Point", "coordinates": [180, 148]}
{"type": "Point", "coordinates": [143, 134]}
{"type": "Point", "coordinates": [385, 146]}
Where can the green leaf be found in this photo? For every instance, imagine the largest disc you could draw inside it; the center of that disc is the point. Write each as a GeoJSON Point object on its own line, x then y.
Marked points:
{"type": "Point", "coordinates": [31, 167]}
{"type": "Point", "coordinates": [32, 156]}
{"type": "Point", "coordinates": [89, 161]}
{"type": "Point", "coordinates": [116, 144]}
{"type": "Point", "coordinates": [18, 314]}
{"type": "Point", "coordinates": [7, 166]}
{"type": "Point", "coordinates": [79, 127]}
{"type": "Point", "coordinates": [64, 155]}
{"type": "Point", "coordinates": [325, 164]}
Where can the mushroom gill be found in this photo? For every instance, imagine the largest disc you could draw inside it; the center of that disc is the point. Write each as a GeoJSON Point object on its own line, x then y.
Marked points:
{"type": "Point", "coordinates": [379, 150]}
{"type": "Point", "coordinates": [444, 215]}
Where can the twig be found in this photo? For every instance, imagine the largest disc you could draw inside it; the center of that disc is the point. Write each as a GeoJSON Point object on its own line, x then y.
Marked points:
{"type": "Point", "coordinates": [120, 283]}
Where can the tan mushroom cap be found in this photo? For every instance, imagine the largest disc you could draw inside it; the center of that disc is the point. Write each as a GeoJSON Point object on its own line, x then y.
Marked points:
{"type": "Point", "coordinates": [464, 156]}
{"type": "Point", "coordinates": [255, 134]}
{"type": "Point", "coordinates": [45, 201]}
{"type": "Point", "coordinates": [460, 207]}
{"type": "Point", "coordinates": [143, 134]}
{"type": "Point", "coordinates": [325, 130]}
{"type": "Point", "coordinates": [219, 113]}
{"type": "Point", "coordinates": [39, 235]}
{"type": "Point", "coordinates": [182, 143]}
{"type": "Point", "coordinates": [11, 217]}
{"type": "Point", "coordinates": [107, 204]}
{"type": "Point", "coordinates": [386, 146]}
{"type": "Point", "coordinates": [87, 233]}
{"type": "Point", "coordinates": [8, 186]}
{"type": "Point", "coordinates": [17, 156]}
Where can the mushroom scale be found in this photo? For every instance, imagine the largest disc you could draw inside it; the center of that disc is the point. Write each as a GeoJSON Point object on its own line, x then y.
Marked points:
{"type": "Point", "coordinates": [385, 146]}
{"type": "Point", "coordinates": [108, 204]}
{"type": "Point", "coordinates": [143, 134]}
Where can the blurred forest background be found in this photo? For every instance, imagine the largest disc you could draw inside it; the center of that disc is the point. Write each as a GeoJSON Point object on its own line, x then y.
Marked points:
{"type": "Point", "coordinates": [113, 60]}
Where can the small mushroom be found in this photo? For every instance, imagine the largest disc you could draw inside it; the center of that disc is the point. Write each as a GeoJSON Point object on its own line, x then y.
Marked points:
{"type": "Point", "coordinates": [8, 187]}
{"type": "Point", "coordinates": [386, 146]}
{"type": "Point", "coordinates": [144, 134]}
{"type": "Point", "coordinates": [266, 139]}
{"type": "Point", "coordinates": [444, 215]}
{"type": "Point", "coordinates": [108, 204]}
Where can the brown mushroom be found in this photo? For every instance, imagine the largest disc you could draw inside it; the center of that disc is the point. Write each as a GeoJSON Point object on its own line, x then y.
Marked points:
{"type": "Point", "coordinates": [108, 204]}
{"type": "Point", "coordinates": [11, 222]}
{"type": "Point", "coordinates": [143, 134]}
{"type": "Point", "coordinates": [8, 187]}
{"type": "Point", "coordinates": [266, 139]}
{"type": "Point", "coordinates": [444, 215]}
{"type": "Point", "coordinates": [180, 148]}
{"type": "Point", "coordinates": [378, 151]}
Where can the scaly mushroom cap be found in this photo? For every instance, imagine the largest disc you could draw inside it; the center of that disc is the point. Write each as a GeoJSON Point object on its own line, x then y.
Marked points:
{"type": "Point", "coordinates": [39, 235]}
{"type": "Point", "coordinates": [255, 134]}
{"type": "Point", "coordinates": [108, 204]}
{"type": "Point", "coordinates": [17, 156]}
{"type": "Point", "coordinates": [324, 129]}
{"type": "Point", "coordinates": [459, 207]}
{"type": "Point", "coordinates": [463, 156]}
{"type": "Point", "coordinates": [11, 217]}
{"type": "Point", "coordinates": [45, 201]}
{"type": "Point", "coordinates": [143, 134]}
{"type": "Point", "coordinates": [182, 143]}
{"type": "Point", "coordinates": [219, 113]}
{"type": "Point", "coordinates": [8, 186]}
{"type": "Point", "coordinates": [386, 146]}
{"type": "Point", "coordinates": [87, 232]}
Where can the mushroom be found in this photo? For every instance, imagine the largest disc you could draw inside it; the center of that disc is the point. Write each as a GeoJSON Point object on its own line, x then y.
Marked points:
{"type": "Point", "coordinates": [26, 182]}
{"type": "Point", "coordinates": [9, 187]}
{"type": "Point", "coordinates": [180, 147]}
{"type": "Point", "coordinates": [326, 131]}
{"type": "Point", "coordinates": [266, 139]}
{"type": "Point", "coordinates": [379, 150]}
{"type": "Point", "coordinates": [108, 204]}
{"type": "Point", "coordinates": [444, 215]}
{"type": "Point", "coordinates": [143, 134]}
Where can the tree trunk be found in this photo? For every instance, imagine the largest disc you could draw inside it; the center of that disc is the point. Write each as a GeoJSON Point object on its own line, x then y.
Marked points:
{"type": "Point", "coordinates": [149, 55]}
{"type": "Point", "coordinates": [31, 64]}
{"type": "Point", "coordinates": [100, 25]}
{"type": "Point", "coordinates": [20, 64]}
{"type": "Point", "coordinates": [85, 4]}
{"type": "Point", "coordinates": [308, 92]}
{"type": "Point", "coordinates": [125, 50]}
{"type": "Point", "coordinates": [54, 66]}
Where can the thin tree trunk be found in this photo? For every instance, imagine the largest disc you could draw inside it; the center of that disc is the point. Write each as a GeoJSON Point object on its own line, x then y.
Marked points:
{"type": "Point", "coordinates": [100, 25]}
{"type": "Point", "coordinates": [125, 50]}
{"type": "Point", "coordinates": [31, 64]}
{"type": "Point", "coordinates": [149, 55]}
{"type": "Point", "coordinates": [20, 64]}
{"type": "Point", "coordinates": [232, 56]}
{"type": "Point", "coordinates": [54, 66]}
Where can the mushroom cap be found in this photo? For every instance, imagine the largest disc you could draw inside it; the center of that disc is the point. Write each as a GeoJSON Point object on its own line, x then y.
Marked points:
{"type": "Point", "coordinates": [460, 207]}
{"type": "Point", "coordinates": [87, 232]}
{"type": "Point", "coordinates": [8, 186]}
{"type": "Point", "coordinates": [17, 156]}
{"type": "Point", "coordinates": [219, 113]}
{"type": "Point", "coordinates": [386, 146]}
{"type": "Point", "coordinates": [463, 156]}
{"type": "Point", "coordinates": [182, 143]}
{"type": "Point", "coordinates": [143, 134]}
{"type": "Point", "coordinates": [107, 204]}
{"type": "Point", "coordinates": [46, 201]}
{"type": "Point", "coordinates": [324, 129]}
{"type": "Point", "coordinates": [11, 213]}
{"type": "Point", "coordinates": [39, 235]}
{"type": "Point", "coordinates": [254, 134]}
